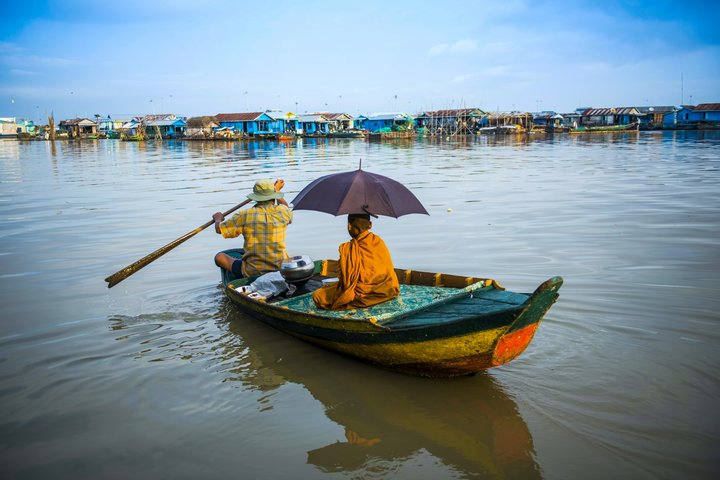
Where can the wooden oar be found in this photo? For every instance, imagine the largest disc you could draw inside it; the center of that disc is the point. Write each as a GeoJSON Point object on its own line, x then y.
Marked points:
{"type": "Point", "coordinates": [121, 275]}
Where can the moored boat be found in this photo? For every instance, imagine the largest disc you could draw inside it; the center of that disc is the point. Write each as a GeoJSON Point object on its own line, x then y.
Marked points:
{"type": "Point", "coordinates": [348, 134]}
{"type": "Point", "coordinates": [503, 130]}
{"type": "Point", "coordinates": [140, 137]}
{"type": "Point", "coordinates": [378, 136]}
{"type": "Point", "coordinates": [26, 136]}
{"type": "Point", "coordinates": [287, 137]}
{"type": "Point", "coordinates": [630, 127]}
{"type": "Point", "coordinates": [439, 326]}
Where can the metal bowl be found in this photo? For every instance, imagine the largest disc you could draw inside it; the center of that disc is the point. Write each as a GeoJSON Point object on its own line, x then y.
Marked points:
{"type": "Point", "coordinates": [297, 269]}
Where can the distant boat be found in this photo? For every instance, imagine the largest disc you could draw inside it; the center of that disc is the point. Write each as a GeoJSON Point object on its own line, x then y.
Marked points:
{"type": "Point", "coordinates": [348, 134]}
{"type": "Point", "coordinates": [606, 128]}
{"type": "Point", "coordinates": [286, 137]}
{"type": "Point", "coordinates": [26, 136]}
{"type": "Point", "coordinates": [377, 136]}
{"type": "Point", "coordinates": [132, 138]}
{"type": "Point", "coordinates": [503, 130]}
{"type": "Point", "coordinates": [262, 136]}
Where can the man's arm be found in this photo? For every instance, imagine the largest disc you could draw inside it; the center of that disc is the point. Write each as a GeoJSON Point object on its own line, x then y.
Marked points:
{"type": "Point", "coordinates": [279, 184]}
{"type": "Point", "coordinates": [218, 217]}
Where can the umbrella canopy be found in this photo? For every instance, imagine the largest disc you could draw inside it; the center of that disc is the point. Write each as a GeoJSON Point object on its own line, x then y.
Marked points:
{"type": "Point", "coordinates": [358, 192]}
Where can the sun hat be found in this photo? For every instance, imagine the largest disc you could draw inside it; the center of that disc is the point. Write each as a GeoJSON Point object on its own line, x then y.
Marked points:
{"type": "Point", "coordinates": [264, 190]}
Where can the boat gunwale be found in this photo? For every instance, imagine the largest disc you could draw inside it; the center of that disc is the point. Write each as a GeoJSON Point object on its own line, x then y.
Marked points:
{"type": "Point", "coordinates": [471, 340]}
{"type": "Point", "coordinates": [335, 329]}
{"type": "Point", "coordinates": [281, 310]}
{"type": "Point", "coordinates": [326, 268]}
{"type": "Point", "coordinates": [370, 324]}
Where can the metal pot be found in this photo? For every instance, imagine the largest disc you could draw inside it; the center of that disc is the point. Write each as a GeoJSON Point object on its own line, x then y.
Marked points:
{"type": "Point", "coordinates": [297, 269]}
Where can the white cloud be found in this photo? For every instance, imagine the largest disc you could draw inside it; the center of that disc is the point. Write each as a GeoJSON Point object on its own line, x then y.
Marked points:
{"type": "Point", "coordinates": [464, 46]}
{"type": "Point", "coordinates": [438, 49]}
{"type": "Point", "coordinates": [497, 71]}
{"type": "Point", "coordinates": [498, 48]}
{"type": "Point", "coordinates": [461, 46]}
{"type": "Point", "coordinates": [462, 78]}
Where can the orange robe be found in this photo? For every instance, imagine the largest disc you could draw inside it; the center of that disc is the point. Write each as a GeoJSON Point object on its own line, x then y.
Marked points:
{"type": "Point", "coordinates": [365, 276]}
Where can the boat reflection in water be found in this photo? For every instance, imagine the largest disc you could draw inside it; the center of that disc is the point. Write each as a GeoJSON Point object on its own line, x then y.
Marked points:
{"type": "Point", "coordinates": [469, 424]}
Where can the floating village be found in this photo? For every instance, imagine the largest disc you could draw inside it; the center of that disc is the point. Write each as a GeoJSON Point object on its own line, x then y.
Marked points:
{"type": "Point", "coordinates": [279, 125]}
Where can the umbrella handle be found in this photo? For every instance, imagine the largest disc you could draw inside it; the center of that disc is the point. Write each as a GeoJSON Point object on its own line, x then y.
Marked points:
{"type": "Point", "coordinates": [365, 209]}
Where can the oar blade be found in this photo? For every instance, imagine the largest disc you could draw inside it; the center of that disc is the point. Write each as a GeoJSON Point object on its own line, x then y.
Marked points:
{"type": "Point", "coordinates": [116, 278]}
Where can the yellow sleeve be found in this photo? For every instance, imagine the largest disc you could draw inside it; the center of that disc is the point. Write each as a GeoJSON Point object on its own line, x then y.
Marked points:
{"type": "Point", "coordinates": [232, 227]}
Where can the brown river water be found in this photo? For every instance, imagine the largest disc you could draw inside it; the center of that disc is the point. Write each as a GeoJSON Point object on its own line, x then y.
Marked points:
{"type": "Point", "coordinates": [160, 377]}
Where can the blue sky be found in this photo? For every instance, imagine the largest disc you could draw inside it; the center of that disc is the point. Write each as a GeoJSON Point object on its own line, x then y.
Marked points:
{"type": "Point", "coordinates": [79, 58]}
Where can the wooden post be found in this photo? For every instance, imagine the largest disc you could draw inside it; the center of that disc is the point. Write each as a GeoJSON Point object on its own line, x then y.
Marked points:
{"type": "Point", "coordinates": [51, 125]}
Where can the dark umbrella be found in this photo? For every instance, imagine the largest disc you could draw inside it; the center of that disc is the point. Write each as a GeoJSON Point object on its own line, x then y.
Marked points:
{"type": "Point", "coordinates": [358, 192]}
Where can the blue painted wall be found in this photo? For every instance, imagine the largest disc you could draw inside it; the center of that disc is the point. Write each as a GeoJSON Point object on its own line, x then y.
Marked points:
{"type": "Point", "coordinates": [708, 116]}
{"type": "Point", "coordinates": [375, 125]}
{"type": "Point", "coordinates": [261, 124]}
{"type": "Point", "coordinates": [311, 128]}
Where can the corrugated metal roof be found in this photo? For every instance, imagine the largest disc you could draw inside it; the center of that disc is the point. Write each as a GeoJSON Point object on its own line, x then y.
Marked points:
{"type": "Point", "coordinates": [510, 115]}
{"type": "Point", "coordinates": [590, 112]}
{"type": "Point", "coordinates": [654, 109]}
{"type": "Point", "coordinates": [312, 118]}
{"type": "Point", "coordinates": [389, 116]}
{"type": "Point", "coordinates": [160, 116]}
{"type": "Point", "coordinates": [548, 116]}
{"type": "Point", "coordinates": [238, 117]}
{"type": "Point", "coordinates": [594, 112]}
{"type": "Point", "coordinates": [165, 123]}
{"type": "Point", "coordinates": [335, 116]}
{"type": "Point", "coordinates": [76, 121]}
{"type": "Point", "coordinates": [707, 107]}
{"type": "Point", "coordinates": [458, 112]}
{"type": "Point", "coordinates": [202, 121]}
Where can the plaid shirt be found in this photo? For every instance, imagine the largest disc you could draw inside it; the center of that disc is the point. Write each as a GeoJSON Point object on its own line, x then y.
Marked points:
{"type": "Point", "coordinates": [263, 228]}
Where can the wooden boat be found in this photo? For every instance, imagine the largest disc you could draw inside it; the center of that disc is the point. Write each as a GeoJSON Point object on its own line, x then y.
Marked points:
{"type": "Point", "coordinates": [503, 130]}
{"type": "Point", "coordinates": [379, 136]}
{"type": "Point", "coordinates": [348, 134]}
{"type": "Point", "coordinates": [132, 138]}
{"type": "Point", "coordinates": [286, 137]}
{"type": "Point", "coordinates": [262, 136]}
{"type": "Point", "coordinates": [26, 136]}
{"type": "Point", "coordinates": [606, 128]}
{"type": "Point", "coordinates": [440, 326]}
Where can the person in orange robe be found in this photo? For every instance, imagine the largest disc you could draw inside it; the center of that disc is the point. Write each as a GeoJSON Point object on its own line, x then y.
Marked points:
{"type": "Point", "coordinates": [366, 275]}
